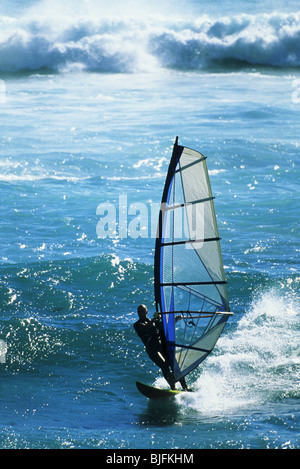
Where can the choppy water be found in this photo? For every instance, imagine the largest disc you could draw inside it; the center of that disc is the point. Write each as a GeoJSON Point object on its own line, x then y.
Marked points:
{"type": "Point", "coordinates": [90, 106]}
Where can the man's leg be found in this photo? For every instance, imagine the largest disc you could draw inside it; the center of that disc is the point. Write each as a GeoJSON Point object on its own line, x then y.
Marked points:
{"type": "Point", "coordinates": [183, 384]}
{"type": "Point", "coordinates": [168, 375]}
{"type": "Point", "coordinates": [160, 361]}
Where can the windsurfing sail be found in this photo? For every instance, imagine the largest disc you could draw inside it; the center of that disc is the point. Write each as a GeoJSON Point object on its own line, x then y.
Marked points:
{"type": "Point", "coordinates": [190, 284]}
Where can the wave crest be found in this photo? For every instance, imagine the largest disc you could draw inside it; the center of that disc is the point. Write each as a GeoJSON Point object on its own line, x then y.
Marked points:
{"type": "Point", "coordinates": [130, 45]}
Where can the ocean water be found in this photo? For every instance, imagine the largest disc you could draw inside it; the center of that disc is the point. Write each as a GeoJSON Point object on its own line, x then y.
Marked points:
{"type": "Point", "coordinates": [91, 100]}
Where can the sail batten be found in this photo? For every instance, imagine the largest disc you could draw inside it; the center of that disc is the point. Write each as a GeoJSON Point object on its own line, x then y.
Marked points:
{"type": "Point", "coordinates": [174, 243]}
{"type": "Point", "coordinates": [188, 269]}
{"type": "Point", "coordinates": [175, 284]}
{"type": "Point", "coordinates": [190, 164]}
{"type": "Point", "coordinates": [191, 202]}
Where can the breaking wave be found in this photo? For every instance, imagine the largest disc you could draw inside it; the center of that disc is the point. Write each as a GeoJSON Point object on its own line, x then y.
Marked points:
{"type": "Point", "coordinates": [128, 45]}
{"type": "Point", "coordinates": [257, 361]}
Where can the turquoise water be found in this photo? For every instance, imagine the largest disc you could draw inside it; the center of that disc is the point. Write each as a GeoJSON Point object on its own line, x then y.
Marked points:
{"type": "Point", "coordinates": [91, 102]}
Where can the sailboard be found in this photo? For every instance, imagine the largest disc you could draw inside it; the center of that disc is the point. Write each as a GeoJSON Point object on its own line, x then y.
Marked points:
{"type": "Point", "coordinates": [156, 393]}
{"type": "Point", "coordinates": [189, 280]}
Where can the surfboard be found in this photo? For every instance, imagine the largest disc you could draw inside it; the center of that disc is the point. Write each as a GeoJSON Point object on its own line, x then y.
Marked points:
{"type": "Point", "coordinates": [155, 393]}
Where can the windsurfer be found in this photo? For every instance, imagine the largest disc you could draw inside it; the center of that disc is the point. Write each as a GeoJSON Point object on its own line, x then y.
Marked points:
{"type": "Point", "coordinates": [149, 331]}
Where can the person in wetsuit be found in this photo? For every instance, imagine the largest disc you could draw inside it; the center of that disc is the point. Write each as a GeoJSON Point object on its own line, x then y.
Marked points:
{"type": "Point", "coordinates": [149, 332]}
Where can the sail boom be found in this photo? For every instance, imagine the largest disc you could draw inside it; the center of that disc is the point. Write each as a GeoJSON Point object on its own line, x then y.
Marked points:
{"type": "Point", "coordinates": [200, 314]}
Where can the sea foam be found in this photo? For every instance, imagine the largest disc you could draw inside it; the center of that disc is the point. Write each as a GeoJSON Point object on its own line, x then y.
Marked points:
{"type": "Point", "coordinates": [128, 45]}
{"type": "Point", "coordinates": [256, 361]}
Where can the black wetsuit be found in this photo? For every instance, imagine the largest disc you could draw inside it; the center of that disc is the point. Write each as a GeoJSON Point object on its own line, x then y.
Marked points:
{"type": "Point", "coordinates": [148, 331]}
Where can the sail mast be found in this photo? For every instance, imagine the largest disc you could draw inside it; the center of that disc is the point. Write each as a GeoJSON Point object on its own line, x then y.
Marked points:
{"type": "Point", "coordinates": [158, 253]}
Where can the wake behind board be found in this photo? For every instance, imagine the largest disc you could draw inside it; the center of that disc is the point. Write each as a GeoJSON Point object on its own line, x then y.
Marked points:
{"type": "Point", "coordinates": [154, 393]}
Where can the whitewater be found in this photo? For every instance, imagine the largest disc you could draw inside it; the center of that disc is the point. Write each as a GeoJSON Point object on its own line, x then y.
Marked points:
{"type": "Point", "coordinates": [91, 100]}
{"type": "Point", "coordinates": [124, 45]}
